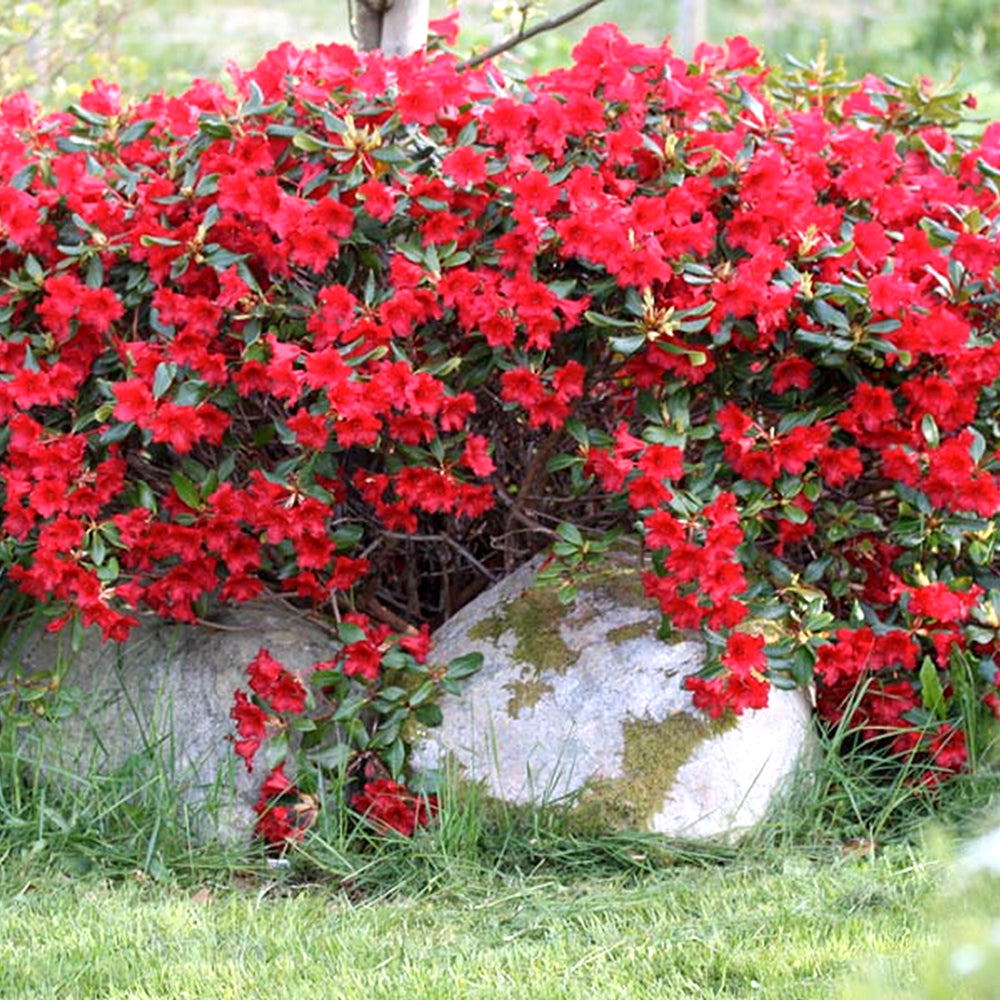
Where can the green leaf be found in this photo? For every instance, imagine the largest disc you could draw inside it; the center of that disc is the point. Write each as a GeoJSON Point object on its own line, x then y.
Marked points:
{"type": "Point", "coordinates": [98, 549]}
{"type": "Point", "coordinates": [389, 154]}
{"type": "Point", "coordinates": [186, 490]}
{"type": "Point", "coordinates": [930, 689]}
{"type": "Point", "coordinates": [795, 514]}
{"type": "Point", "coordinates": [930, 431]}
{"type": "Point", "coordinates": [136, 131]}
{"type": "Point", "coordinates": [464, 666]}
{"type": "Point", "coordinates": [333, 679]}
{"type": "Point", "coordinates": [117, 432]}
{"type": "Point", "coordinates": [599, 319]}
{"type": "Point", "coordinates": [348, 536]}
{"type": "Point", "coordinates": [158, 241]}
{"type": "Point", "coordinates": [429, 714]}
{"type": "Point", "coordinates": [425, 691]}
{"type": "Point", "coordinates": [627, 345]}
{"type": "Point", "coordinates": [559, 462]}
{"type": "Point", "coordinates": [308, 143]}
{"type": "Point", "coordinates": [697, 358]}
{"type": "Point", "coordinates": [215, 128]}
{"type": "Point", "coordinates": [395, 757]}
{"type": "Point", "coordinates": [350, 708]}
{"type": "Point", "coordinates": [570, 533]}
{"type": "Point", "coordinates": [90, 117]}
{"type": "Point", "coordinates": [163, 377]}
{"type": "Point", "coordinates": [33, 268]}
{"type": "Point", "coordinates": [335, 757]}
{"type": "Point", "coordinates": [577, 430]}
{"type": "Point", "coordinates": [348, 632]}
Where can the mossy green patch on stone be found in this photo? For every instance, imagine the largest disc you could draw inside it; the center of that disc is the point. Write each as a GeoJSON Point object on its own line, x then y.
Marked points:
{"type": "Point", "coordinates": [621, 585]}
{"type": "Point", "coordinates": [526, 692]}
{"type": "Point", "coordinates": [654, 752]}
{"type": "Point", "coordinates": [489, 629]}
{"type": "Point", "coordinates": [534, 619]}
{"type": "Point", "coordinates": [625, 633]}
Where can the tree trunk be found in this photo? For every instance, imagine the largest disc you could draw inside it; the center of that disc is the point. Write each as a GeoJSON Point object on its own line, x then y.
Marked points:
{"type": "Point", "coordinates": [367, 25]}
{"type": "Point", "coordinates": [397, 27]}
{"type": "Point", "coordinates": [404, 27]}
{"type": "Point", "coordinates": [692, 26]}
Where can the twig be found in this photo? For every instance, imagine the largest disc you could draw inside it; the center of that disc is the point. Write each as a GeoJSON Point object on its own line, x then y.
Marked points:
{"type": "Point", "coordinates": [448, 540]}
{"type": "Point", "coordinates": [374, 607]}
{"type": "Point", "coordinates": [522, 36]}
{"type": "Point", "coordinates": [517, 513]}
{"type": "Point", "coordinates": [536, 470]}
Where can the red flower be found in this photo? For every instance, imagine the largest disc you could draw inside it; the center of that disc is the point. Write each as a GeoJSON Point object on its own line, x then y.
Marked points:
{"type": "Point", "coordinates": [379, 200]}
{"type": "Point", "coordinates": [390, 806]}
{"type": "Point", "coordinates": [134, 401]}
{"type": "Point", "coordinates": [251, 724]}
{"type": "Point", "coordinates": [445, 28]}
{"type": "Point", "coordinates": [278, 822]}
{"type": "Point", "coordinates": [282, 690]}
{"type": "Point", "coordinates": [362, 659]}
{"type": "Point", "coordinates": [476, 456]}
{"type": "Point", "coordinates": [465, 166]}
{"type": "Point", "coordinates": [791, 373]}
{"type": "Point", "coordinates": [940, 603]}
{"type": "Point", "coordinates": [309, 429]}
{"type": "Point", "coordinates": [948, 752]}
{"type": "Point", "coordinates": [419, 645]}
{"type": "Point", "coordinates": [839, 465]}
{"type": "Point", "coordinates": [521, 385]}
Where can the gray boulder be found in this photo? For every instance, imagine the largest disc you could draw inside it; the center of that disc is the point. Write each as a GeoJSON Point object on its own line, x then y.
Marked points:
{"type": "Point", "coordinates": [161, 699]}
{"type": "Point", "coordinates": [584, 705]}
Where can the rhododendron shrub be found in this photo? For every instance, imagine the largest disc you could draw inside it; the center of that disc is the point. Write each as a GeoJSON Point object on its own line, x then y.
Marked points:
{"type": "Point", "coordinates": [369, 332]}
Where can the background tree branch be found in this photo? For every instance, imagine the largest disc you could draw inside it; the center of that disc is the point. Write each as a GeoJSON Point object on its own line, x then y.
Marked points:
{"type": "Point", "coordinates": [550, 23]}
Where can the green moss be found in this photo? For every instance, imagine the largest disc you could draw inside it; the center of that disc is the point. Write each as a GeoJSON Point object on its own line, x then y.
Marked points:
{"type": "Point", "coordinates": [526, 692]}
{"type": "Point", "coordinates": [489, 629]}
{"type": "Point", "coordinates": [534, 619]}
{"type": "Point", "coordinates": [654, 753]}
{"type": "Point", "coordinates": [621, 585]}
{"type": "Point", "coordinates": [624, 633]}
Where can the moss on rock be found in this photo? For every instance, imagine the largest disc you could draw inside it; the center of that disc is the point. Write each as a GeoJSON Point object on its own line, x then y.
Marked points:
{"type": "Point", "coordinates": [534, 619]}
{"type": "Point", "coordinates": [525, 692]}
{"type": "Point", "coordinates": [625, 633]}
{"type": "Point", "coordinates": [654, 752]}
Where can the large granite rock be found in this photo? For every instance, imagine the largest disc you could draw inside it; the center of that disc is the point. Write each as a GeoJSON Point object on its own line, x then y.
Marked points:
{"type": "Point", "coordinates": [161, 700]}
{"type": "Point", "coordinates": [584, 705]}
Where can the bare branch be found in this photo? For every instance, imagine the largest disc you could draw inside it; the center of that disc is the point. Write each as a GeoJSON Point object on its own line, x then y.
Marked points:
{"type": "Point", "coordinates": [523, 35]}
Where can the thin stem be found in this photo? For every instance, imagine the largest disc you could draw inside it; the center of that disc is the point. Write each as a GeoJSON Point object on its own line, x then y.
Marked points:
{"type": "Point", "coordinates": [523, 35]}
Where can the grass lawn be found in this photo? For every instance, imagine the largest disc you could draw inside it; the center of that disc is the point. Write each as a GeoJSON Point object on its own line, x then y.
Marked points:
{"type": "Point", "coordinates": [105, 894]}
{"type": "Point", "coordinates": [794, 929]}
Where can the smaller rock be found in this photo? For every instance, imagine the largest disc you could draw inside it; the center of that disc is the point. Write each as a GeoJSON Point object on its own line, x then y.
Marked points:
{"type": "Point", "coordinates": [165, 695]}
{"type": "Point", "coordinates": [585, 705]}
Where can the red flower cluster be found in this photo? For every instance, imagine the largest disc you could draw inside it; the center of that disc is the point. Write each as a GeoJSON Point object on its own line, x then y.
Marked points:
{"type": "Point", "coordinates": [389, 806]}
{"type": "Point", "coordinates": [282, 690]}
{"type": "Point", "coordinates": [284, 813]}
{"type": "Point", "coordinates": [742, 686]}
